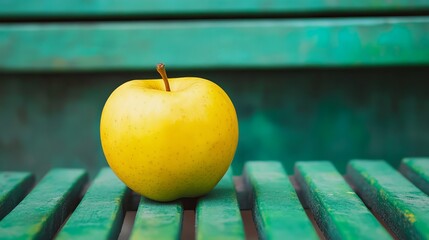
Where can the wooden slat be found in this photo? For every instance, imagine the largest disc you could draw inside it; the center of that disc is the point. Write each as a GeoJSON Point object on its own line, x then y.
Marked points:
{"type": "Point", "coordinates": [276, 208]}
{"type": "Point", "coordinates": [217, 213]}
{"type": "Point", "coordinates": [156, 220]}
{"type": "Point", "coordinates": [101, 212]}
{"type": "Point", "coordinates": [338, 211]}
{"type": "Point", "coordinates": [215, 44]}
{"type": "Point", "coordinates": [402, 206]}
{"type": "Point", "coordinates": [417, 171]}
{"type": "Point", "coordinates": [189, 8]}
{"type": "Point", "coordinates": [13, 188]}
{"type": "Point", "coordinates": [42, 212]}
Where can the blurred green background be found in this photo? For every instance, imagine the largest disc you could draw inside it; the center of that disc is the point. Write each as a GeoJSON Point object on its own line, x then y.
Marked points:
{"type": "Point", "coordinates": [52, 120]}
{"type": "Point", "coordinates": [310, 81]}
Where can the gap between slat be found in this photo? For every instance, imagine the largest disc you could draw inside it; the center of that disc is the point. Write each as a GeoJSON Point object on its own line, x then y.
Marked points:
{"type": "Point", "coordinates": [249, 225]}
{"type": "Point", "coordinates": [310, 216]}
{"type": "Point", "coordinates": [379, 219]}
{"type": "Point", "coordinates": [188, 225]}
{"type": "Point", "coordinates": [81, 195]}
{"type": "Point", "coordinates": [127, 225]}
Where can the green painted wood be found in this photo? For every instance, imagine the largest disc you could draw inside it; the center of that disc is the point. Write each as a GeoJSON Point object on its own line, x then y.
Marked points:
{"type": "Point", "coordinates": [401, 205]}
{"type": "Point", "coordinates": [156, 220]}
{"type": "Point", "coordinates": [189, 8]}
{"type": "Point", "coordinates": [277, 211]}
{"type": "Point", "coordinates": [350, 42]}
{"type": "Point", "coordinates": [338, 211]}
{"type": "Point", "coordinates": [218, 214]}
{"type": "Point", "coordinates": [101, 212]}
{"type": "Point", "coordinates": [417, 171]}
{"type": "Point", "coordinates": [45, 208]}
{"type": "Point", "coordinates": [14, 186]}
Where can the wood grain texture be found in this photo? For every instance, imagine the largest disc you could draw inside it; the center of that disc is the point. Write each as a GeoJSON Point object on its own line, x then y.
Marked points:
{"type": "Point", "coordinates": [13, 188]}
{"type": "Point", "coordinates": [189, 8]}
{"type": "Point", "coordinates": [343, 42]}
{"type": "Point", "coordinates": [401, 205]}
{"type": "Point", "coordinates": [417, 171]}
{"type": "Point", "coordinates": [338, 211]}
{"type": "Point", "coordinates": [156, 220]}
{"type": "Point", "coordinates": [218, 214]}
{"type": "Point", "coordinates": [276, 208]}
{"type": "Point", "coordinates": [101, 212]}
{"type": "Point", "coordinates": [45, 208]}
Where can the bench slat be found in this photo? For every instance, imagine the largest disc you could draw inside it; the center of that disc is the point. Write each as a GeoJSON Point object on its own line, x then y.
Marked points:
{"type": "Point", "coordinates": [338, 211]}
{"type": "Point", "coordinates": [402, 206]}
{"type": "Point", "coordinates": [287, 43]}
{"type": "Point", "coordinates": [13, 188]}
{"type": "Point", "coordinates": [45, 208]}
{"type": "Point", "coordinates": [189, 8]}
{"type": "Point", "coordinates": [217, 213]}
{"type": "Point", "coordinates": [276, 208]}
{"type": "Point", "coordinates": [417, 171]}
{"type": "Point", "coordinates": [101, 212]}
{"type": "Point", "coordinates": [155, 220]}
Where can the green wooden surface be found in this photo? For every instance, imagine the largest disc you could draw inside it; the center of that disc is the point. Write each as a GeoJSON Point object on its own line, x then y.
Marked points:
{"type": "Point", "coordinates": [155, 220]}
{"type": "Point", "coordinates": [401, 205]}
{"type": "Point", "coordinates": [338, 211]}
{"type": "Point", "coordinates": [189, 8]}
{"type": "Point", "coordinates": [215, 44]}
{"type": "Point", "coordinates": [277, 212]}
{"type": "Point", "coordinates": [417, 171]}
{"type": "Point", "coordinates": [45, 208]}
{"type": "Point", "coordinates": [217, 213]}
{"type": "Point", "coordinates": [101, 212]}
{"type": "Point", "coordinates": [13, 188]}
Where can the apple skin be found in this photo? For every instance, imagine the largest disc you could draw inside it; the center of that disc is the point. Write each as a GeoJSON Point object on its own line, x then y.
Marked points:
{"type": "Point", "coordinates": [169, 145]}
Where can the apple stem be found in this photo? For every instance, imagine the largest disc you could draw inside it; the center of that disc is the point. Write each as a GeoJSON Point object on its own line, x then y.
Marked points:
{"type": "Point", "coordinates": [161, 70]}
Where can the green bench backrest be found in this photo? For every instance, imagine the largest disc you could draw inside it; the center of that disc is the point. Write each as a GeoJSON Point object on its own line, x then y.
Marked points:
{"type": "Point", "coordinates": [70, 9]}
{"type": "Point", "coordinates": [309, 79]}
{"type": "Point", "coordinates": [216, 44]}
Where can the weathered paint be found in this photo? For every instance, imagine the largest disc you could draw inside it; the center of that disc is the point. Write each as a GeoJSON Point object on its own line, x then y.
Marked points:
{"type": "Point", "coordinates": [277, 212]}
{"type": "Point", "coordinates": [417, 171]}
{"type": "Point", "coordinates": [45, 208]}
{"type": "Point", "coordinates": [401, 205]}
{"type": "Point", "coordinates": [14, 186]}
{"type": "Point", "coordinates": [196, 8]}
{"type": "Point", "coordinates": [217, 213]}
{"type": "Point", "coordinates": [351, 42]}
{"type": "Point", "coordinates": [338, 211]}
{"type": "Point", "coordinates": [101, 212]}
{"type": "Point", "coordinates": [156, 220]}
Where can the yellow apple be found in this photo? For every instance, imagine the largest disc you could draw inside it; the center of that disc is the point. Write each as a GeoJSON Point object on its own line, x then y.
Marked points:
{"type": "Point", "coordinates": [169, 138]}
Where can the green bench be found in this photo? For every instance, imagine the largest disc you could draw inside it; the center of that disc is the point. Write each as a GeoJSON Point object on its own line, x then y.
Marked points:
{"type": "Point", "coordinates": [310, 80]}
{"type": "Point", "coordinates": [372, 201]}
